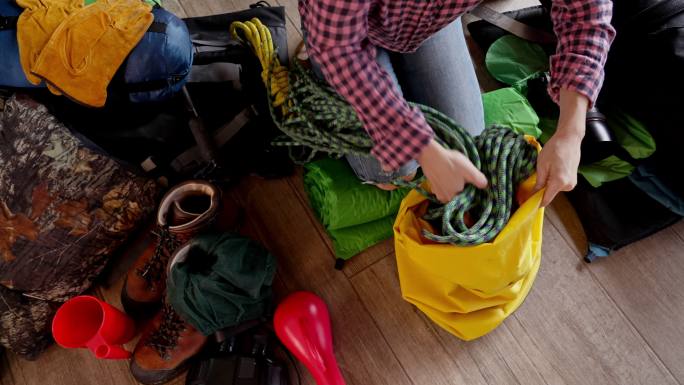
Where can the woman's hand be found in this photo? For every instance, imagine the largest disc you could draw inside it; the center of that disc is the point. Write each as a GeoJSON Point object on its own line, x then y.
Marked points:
{"type": "Point", "coordinates": [557, 166]}
{"type": "Point", "coordinates": [559, 159]}
{"type": "Point", "coordinates": [448, 171]}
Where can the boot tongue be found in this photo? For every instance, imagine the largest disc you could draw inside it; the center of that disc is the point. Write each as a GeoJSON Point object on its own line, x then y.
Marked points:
{"type": "Point", "coordinates": [188, 208]}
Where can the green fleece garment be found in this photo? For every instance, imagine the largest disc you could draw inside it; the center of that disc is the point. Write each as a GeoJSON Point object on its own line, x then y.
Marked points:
{"type": "Point", "coordinates": [352, 240]}
{"type": "Point", "coordinates": [355, 215]}
{"type": "Point", "coordinates": [225, 280]}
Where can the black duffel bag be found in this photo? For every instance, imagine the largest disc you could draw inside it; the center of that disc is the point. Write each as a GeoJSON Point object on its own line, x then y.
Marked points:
{"type": "Point", "coordinates": [645, 76]}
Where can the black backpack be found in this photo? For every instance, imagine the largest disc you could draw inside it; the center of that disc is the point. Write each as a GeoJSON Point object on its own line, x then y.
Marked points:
{"type": "Point", "coordinates": [219, 127]}
{"type": "Point", "coordinates": [645, 76]}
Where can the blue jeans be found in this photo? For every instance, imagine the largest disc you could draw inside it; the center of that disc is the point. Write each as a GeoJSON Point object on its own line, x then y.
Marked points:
{"type": "Point", "coordinates": [440, 74]}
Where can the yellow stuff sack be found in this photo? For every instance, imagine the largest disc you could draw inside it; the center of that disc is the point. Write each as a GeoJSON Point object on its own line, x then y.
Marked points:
{"type": "Point", "coordinates": [468, 290]}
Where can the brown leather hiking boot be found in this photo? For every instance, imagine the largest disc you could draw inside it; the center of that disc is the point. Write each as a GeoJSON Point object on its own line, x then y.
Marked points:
{"type": "Point", "coordinates": [166, 347]}
{"type": "Point", "coordinates": [186, 210]}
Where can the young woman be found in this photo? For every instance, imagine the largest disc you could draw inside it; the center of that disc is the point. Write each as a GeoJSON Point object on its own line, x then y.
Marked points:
{"type": "Point", "coordinates": [378, 54]}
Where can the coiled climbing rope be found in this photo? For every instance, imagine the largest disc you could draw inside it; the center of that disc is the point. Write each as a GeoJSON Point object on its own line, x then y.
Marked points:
{"type": "Point", "coordinates": [313, 116]}
{"type": "Point", "coordinates": [273, 74]}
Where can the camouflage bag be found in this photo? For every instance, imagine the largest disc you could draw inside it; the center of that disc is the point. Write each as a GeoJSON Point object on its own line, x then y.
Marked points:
{"type": "Point", "coordinates": [65, 207]}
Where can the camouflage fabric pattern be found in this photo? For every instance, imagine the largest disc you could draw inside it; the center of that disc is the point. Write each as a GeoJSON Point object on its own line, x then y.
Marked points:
{"type": "Point", "coordinates": [64, 210]}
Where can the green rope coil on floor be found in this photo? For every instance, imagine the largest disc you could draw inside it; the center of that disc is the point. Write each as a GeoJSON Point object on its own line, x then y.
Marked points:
{"type": "Point", "coordinates": [319, 120]}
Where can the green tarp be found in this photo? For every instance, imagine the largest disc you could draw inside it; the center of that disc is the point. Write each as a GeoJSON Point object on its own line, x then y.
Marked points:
{"type": "Point", "coordinates": [512, 60]}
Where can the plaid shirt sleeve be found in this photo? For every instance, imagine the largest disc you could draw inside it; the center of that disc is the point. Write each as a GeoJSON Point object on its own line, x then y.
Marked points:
{"type": "Point", "coordinates": [338, 42]}
{"type": "Point", "coordinates": [584, 37]}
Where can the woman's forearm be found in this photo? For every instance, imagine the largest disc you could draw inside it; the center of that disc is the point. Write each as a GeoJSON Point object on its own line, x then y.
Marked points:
{"type": "Point", "coordinates": [573, 113]}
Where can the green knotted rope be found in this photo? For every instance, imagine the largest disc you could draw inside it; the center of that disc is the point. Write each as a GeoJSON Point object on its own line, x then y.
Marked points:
{"type": "Point", "coordinates": [319, 120]}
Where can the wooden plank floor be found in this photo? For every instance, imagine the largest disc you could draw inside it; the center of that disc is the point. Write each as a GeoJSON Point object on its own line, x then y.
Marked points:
{"type": "Point", "coordinates": [617, 321]}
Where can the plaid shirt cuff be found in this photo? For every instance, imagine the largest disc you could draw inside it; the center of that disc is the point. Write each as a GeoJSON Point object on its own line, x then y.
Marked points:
{"type": "Point", "coordinates": [577, 73]}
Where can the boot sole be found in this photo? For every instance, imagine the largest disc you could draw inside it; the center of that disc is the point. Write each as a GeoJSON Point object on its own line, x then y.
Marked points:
{"type": "Point", "coordinates": [138, 310]}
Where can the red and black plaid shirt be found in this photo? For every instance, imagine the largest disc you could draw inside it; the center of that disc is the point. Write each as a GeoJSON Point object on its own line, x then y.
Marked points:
{"type": "Point", "coordinates": [343, 36]}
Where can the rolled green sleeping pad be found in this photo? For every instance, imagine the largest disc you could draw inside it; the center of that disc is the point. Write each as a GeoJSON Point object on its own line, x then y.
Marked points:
{"type": "Point", "coordinates": [341, 200]}
{"type": "Point", "coordinates": [355, 215]}
{"type": "Point", "coordinates": [352, 240]}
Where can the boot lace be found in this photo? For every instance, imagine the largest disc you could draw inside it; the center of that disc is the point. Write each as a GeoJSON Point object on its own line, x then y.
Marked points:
{"type": "Point", "coordinates": [165, 338]}
{"type": "Point", "coordinates": [153, 269]}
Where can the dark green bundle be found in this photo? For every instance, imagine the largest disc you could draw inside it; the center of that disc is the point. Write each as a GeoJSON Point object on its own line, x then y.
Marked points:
{"type": "Point", "coordinates": [225, 280]}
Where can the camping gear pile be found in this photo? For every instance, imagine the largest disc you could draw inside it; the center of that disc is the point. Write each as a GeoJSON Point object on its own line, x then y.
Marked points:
{"type": "Point", "coordinates": [65, 46]}
{"type": "Point", "coordinates": [76, 182]}
{"type": "Point", "coordinates": [482, 249]}
{"type": "Point", "coordinates": [629, 153]}
{"type": "Point", "coordinates": [214, 282]}
{"type": "Point", "coordinates": [88, 178]}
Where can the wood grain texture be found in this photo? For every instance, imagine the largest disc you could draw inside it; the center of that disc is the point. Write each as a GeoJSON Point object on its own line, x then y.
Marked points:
{"type": "Point", "coordinates": [576, 328]}
{"type": "Point", "coordinates": [294, 34]}
{"type": "Point", "coordinates": [304, 264]}
{"type": "Point", "coordinates": [679, 229]}
{"type": "Point", "coordinates": [409, 333]}
{"type": "Point", "coordinates": [564, 218]}
{"type": "Point", "coordinates": [6, 376]}
{"type": "Point", "coordinates": [175, 7]}
{"type": "Point", "coordinates": [69, 367]}
{"type": "Point", "coordinates": [645, 280]}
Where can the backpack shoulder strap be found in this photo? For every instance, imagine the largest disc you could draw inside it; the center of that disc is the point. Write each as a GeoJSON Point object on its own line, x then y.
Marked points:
{"type": "Point", "coordinates": [513, 26]}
